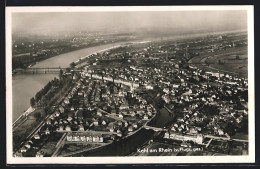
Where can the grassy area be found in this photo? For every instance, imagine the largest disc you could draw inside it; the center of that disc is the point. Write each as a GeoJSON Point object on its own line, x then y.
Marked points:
{"type": "Point", "coordinates": [237, 68]}
{"type": "Point", "coordinates": [242, 136]}
{"type": "Point", "coordinates": [49, 148]}
{"type": "Point", "coordinates": [239, 148]}
{"type": "Point", "coordinates": [33, 119]}
{"type": "Point", "coordinates": [69, 148]}
{"type": "Point", "coordinates": [228, 57]}
{"type": "Point", "coordinates": [64, 90]}
{"type": "Point", "coordinates": [20, 133]}
{"type": "Point", "coordinates": [230, 62]}
{"type": "Point", "coordinates": [49, 145]}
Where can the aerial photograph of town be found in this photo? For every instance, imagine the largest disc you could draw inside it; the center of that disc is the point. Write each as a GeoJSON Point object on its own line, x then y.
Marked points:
{"type": "Point", "coordinates": [145, 83]}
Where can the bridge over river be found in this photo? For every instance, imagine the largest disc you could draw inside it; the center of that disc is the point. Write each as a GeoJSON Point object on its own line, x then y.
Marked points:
{"type": "Point", "coordinates": [45, 70]}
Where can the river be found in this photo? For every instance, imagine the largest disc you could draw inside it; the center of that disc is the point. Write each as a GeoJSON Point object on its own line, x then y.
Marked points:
{"type": "Point", "coordinates": [130, 144]}
{"type": "Point", "coordinates": [25, 86]}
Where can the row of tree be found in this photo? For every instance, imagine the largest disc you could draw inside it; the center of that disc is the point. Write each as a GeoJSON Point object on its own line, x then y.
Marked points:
{"type": "Point", "coordinates": [43, 91]}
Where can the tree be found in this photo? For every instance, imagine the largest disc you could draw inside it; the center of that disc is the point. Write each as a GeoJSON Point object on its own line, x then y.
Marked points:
{"type": "Point", "coordinates": [38, 96]}
{"type": "Point", "coordinates": [46, 109]}
{"type": "Point", "coordinates": [67, 69]}
{"type": "Point", "coordinates": [60, 74]}
{"type": "Point", "coordinates": [72, 65]}
{"type": "Point", "coordinates": [37, 116]}
{"type": "Point", "coordinates": [32, 101]}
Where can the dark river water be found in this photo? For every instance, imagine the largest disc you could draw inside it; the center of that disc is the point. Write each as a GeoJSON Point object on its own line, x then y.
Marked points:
{"type": "Point", "coordinates": [130, 144]}
{"type": "Point", "coordinates": [25, 86]}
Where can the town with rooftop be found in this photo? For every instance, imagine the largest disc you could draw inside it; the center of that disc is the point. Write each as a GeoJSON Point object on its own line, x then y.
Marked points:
{"type": "Point", "coordinates": [185, 97]}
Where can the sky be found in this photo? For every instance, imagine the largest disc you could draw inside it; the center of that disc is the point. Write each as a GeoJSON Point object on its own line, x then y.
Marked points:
{"type": "Point", "coordinates": [44, 23]}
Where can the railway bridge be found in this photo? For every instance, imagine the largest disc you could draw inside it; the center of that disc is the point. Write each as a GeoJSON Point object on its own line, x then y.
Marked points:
{"type": "Point", "coordinates": [38, 70]}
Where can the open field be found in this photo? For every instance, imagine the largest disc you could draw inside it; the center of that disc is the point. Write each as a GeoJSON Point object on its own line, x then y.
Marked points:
{"type": "Point", "coordinates": [34, 119]}
{"type": "Point", "coordinates": [49, 146]}
{"type": "Point", "coordinates": [70, 148]}
{"type": "Point", "coordinates": [232, 61]}
{"type": "Point", "coordinates": [242, 136]}
{"type": "Point", "coordinates": [20, 133]}
{"type": "Point", "coordinates": [239, 148]}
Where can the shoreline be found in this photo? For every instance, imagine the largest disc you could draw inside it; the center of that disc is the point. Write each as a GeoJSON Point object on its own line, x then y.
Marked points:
{"type": "Point", "coordinates": [145, 40]}
{"type": "Point", "coordinates": [31, 109]}
{"type": "Point", "coordinates": [102, 50]}
{"type": "Point", "coordinates": [113, 47]}
{"type": "Point", "coordinates": [25, 114]}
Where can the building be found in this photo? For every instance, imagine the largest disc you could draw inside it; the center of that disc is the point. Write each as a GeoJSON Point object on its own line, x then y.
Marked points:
{"type": "Point", "coordinates": [111, 129]}
{"type": "Point", "coordinates": [85, 137]}
{"type": "Point", "coordinates": [104, 122]}
{"type": "Point", "coordinates": [149, 86]}
{"type": "Point", "coordinates": [145, 117]}
{"type": "Point", "coordinates": [175, 136]}
{"type": "Point", "coordinates": [23, 149]}
{"type": "Point", "coordinates": [99, 113]}
{"type": "Point", "coordinates": [18, 154]}
{"type": "Point", "coordinates": [47, 131]}
{"type": "Point", "coordinates": [39, 154]}
{"type": "Point", "coordinates": [81, 128]}
{"type": "Point", "coordinates": [95, 122]}
{"type": "Point", "coordinates": [124, 106]}
{"type": "Point", "coordinates": [130, 128]}
{"type": "Point", "coordinates": [61, 109]}
{"type": "Point", "coordinates": [28, 146]}
{"type": "Point", "coordinates": [68, 128]}
{"type": "Point", "coordinates": [120, 116]}
{"type": "Point", "coordinates": [37, 136]}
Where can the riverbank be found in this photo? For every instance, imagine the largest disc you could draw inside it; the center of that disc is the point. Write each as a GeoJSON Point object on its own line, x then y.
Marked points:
{"type": "Point", "coordinates": [22, 93]}
{"type": "Point", "coordinates": [22, 97]}
{"type": "Point", "coordinates": [36, 118]}
{"type": "Point", "coordinates": [22, 118]}
{"type": "Point", "coordinates": [29, 125]}
{"type": "Point", "coordinates": [129, 144]}
{"type": "Point", "coordinates": [28, 61]}
{"type": "Point", "coordinates": [135, 136]}
{"type": "Point", "coordinates": [25, 86]}
{"type": "Point", "coordinates": [26, 128]}
{"type": "Point", "coordinates": [122, 147]}
{"type": "Point", "coordinates": [104, 50]}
